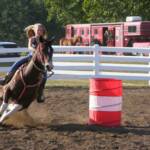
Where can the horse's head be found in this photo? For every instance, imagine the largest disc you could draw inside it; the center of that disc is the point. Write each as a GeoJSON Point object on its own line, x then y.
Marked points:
{"type": "Point", "coordinates": [44, 53]}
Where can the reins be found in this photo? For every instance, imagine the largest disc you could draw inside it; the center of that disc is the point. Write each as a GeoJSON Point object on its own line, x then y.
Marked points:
{"type": "Point", "coordinates": [39, 69]}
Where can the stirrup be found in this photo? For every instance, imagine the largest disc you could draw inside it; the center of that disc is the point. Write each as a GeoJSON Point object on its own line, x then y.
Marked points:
{"type": "Point", "coordinates": [2, 81]}
{"type": "Point", "coordinates": [8, 77]}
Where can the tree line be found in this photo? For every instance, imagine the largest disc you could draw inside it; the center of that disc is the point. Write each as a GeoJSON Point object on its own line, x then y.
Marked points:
{"type": "Point", "coordinates": [15, 15]}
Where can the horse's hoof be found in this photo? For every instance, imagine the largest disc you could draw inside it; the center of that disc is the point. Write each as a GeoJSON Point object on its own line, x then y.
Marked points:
{"type": "Point", "coordinates": [41, 99]}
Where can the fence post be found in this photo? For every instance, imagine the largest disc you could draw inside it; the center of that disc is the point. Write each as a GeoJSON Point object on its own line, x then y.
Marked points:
{"type": "Point", "coordinates": [96, 60]}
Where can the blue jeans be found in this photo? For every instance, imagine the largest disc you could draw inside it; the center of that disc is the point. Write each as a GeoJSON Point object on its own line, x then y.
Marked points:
{"type": "Point", "coordinates": [20, 62]}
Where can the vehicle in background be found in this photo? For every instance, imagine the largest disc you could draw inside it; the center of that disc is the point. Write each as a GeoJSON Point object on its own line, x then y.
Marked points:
{"type": "Point", "coordinates": [117, 34]}
{"type": "Point", "coordinates": [8, 45]}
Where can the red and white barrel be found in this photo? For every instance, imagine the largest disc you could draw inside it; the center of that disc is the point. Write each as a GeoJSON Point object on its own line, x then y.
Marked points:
{"type": "Point", "coordinates": [105, 102]}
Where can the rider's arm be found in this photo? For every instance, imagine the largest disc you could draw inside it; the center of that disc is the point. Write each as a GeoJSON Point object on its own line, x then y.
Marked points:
{"type": "Point", "coordinates": [31, 44]}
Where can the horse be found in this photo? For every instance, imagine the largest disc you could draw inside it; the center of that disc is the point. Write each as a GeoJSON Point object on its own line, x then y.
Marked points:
{"type": "Point", "coordinates": [24, 85]}
{"type": "Point", "coordinates": [73, 41]}
{"type": "Point", "coordinates": [77, 40]}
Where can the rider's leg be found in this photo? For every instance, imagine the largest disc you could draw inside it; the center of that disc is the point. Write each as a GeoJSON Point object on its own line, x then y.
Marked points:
{"type": "Point", "coordinates": [40, 96]}
{"type": "Point", "coordinates": [14, 67]}
{"type": "Point", "coordinates": [10, 111]}
{"type": "Point", "coordinates": [20, 62]}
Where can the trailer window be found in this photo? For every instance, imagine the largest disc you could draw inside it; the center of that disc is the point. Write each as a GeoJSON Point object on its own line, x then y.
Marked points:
{"type": "Point", "coordinates": [95, 31]}
{"type": "Point", "coordinates": [143, 38]}
{"type": "Point", "coordinates": [82, 31]}
{"type": "Point", "coordinates": [131, 28]}
{"type": "Point", "coordinates": [75, 31]}
{"type": "Point", "coordinates": [87, 31]}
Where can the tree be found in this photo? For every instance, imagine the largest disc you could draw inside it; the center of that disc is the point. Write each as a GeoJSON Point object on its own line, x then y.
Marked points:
{"type": "Point", "coordinates": [83, 11]}
{"type": "Point", "coordinates": [65, 11]}
{"type": "Point", "coordinates": [55, 14]}
{"type": "Point", "coordinates": [16, 15]}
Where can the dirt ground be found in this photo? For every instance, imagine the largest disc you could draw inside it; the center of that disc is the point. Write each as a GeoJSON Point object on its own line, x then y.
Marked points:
{"type": "Point", "coordinates": [61, 123]}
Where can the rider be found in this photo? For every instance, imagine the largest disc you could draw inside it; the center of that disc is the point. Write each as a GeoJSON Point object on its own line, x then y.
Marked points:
{"type": "Point", "coordinates": [33, 32]}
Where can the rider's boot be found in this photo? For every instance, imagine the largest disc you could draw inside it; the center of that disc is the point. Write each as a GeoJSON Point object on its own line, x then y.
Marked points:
{"type": "Point", "coordinates": [7, 78]}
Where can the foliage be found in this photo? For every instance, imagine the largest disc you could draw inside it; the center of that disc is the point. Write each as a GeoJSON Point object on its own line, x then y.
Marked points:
{"type": "Point", "coordinates": [55, 14]}
{"type": "Point", "coordinates": [16, 15]}
{"type": "Point", "coordinates": [77, 11]}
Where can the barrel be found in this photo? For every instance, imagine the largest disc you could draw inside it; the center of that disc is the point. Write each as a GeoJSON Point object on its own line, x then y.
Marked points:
{"type": "Point", "coordinates": [105, 102]}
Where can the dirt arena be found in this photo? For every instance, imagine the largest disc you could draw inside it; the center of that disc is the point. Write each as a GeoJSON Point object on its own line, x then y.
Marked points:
{"type": "Point", "coordinates": [61, 123]}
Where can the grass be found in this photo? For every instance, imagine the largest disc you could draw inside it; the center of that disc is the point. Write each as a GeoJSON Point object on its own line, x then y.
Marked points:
{"type": "Point", "coordinates": [68, 83]}
{"type": "Point", "coordinates": [85, 83]}
{"type": "Point", "coordinates": [6, 64]}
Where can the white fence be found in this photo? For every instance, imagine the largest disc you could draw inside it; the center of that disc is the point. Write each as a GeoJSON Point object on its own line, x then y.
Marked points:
{"type": "Point", "coordinates": [92, 63]}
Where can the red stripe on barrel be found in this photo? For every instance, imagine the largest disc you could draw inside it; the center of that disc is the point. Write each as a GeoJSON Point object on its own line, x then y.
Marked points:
{"type": "Point", "coordinates": [104, 118]}
{"type": "Point", "coordinates": [105, 87]}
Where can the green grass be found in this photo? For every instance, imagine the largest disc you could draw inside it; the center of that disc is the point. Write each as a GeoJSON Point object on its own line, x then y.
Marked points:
{"type": "Point", "coordinates": [85, 83]}
{"type": "Point", "coordinates": [6, 64]}
{"type": "Point", "coordinates": [68, 83]}
{"type": "Point", "coordinates": [135, 83]}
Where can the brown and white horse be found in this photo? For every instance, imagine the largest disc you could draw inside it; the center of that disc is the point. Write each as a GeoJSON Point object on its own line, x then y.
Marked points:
{"type": "Point", "coordinates": [24, 85]}
{"type": "Point", "coordinates": [77, 40]}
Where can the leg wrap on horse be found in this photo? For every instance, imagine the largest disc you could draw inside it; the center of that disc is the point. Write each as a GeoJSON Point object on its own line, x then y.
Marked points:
{"type": "Point", "coordinates": [3, 107]}
{"type": "Point", "coordinates": [11, 110]}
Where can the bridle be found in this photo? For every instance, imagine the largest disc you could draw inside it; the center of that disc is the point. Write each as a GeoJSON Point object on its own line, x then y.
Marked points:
{"type": "Point", "coordinates": [38, 68]}
{"type": "Point", "coordinates": [50, 73]}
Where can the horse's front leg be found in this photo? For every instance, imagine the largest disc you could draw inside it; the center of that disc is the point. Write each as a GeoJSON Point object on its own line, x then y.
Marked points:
{"type": "Point", "coordinates": [5, 110]}
{"type": "Point", "coordinates": [11, 109]}
{"type": "Point", "coordinates": [5, 98]}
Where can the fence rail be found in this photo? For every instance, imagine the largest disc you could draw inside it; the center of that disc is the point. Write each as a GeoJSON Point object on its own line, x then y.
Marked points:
{"type": "Point", "coordinates": [91, 63]}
